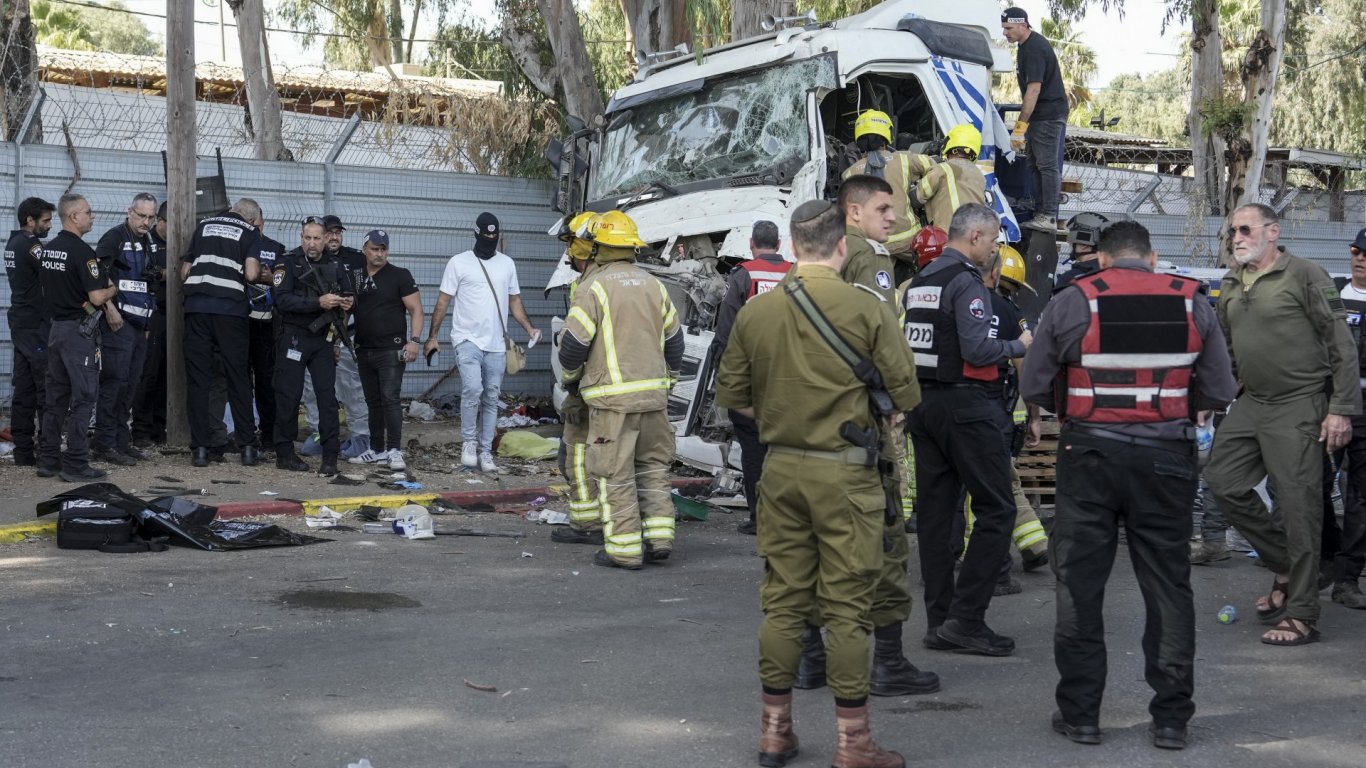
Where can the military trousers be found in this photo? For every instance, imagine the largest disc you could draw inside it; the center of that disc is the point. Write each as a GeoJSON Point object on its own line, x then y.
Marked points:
{"type": "Point", "coordinates": [28, 398]}
{"type": "Point", "coordinates": [629, 456]}
{"type": "Point", "coordinates": [71, 388]}
{"type": "Point", "coordinates": [1101, 483]}
{"type": "Point", "coordinates": [1280, 440]}
{"type": "Point", "coordinates": [957, 438]}
{"type": "Point", "coordinates": [585, 511]}
{"type": "Point", "coordinates": [820, 533]}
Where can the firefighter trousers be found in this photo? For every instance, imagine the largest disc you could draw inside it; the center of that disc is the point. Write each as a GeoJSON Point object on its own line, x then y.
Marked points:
{"type": "Point", "coordinates": [629, 456]}
{"type": "Point", "coordinates": [820, 534]}
{"type": "Point", "coordinates": [585, 512]}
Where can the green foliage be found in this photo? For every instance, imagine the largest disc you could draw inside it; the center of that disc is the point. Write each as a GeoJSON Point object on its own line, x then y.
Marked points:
{"type": "Point", "coordinates": [1152, 105]}
{"type": "Point", "coordinates": [365, 27]}
{"type": "Point", "coordinates": [1224, 117]}
{"type": "Point", "coordinates": [78, 28]}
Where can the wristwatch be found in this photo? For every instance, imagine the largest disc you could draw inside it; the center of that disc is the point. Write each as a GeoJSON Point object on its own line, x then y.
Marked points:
{"type": "Point", "coordinates": [415, 340]}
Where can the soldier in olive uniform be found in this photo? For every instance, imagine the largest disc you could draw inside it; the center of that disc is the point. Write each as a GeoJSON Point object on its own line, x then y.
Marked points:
{"type": "Point", "coordinates": [821, 508]}
{"type": "Point", "coordinates": [1297, 362]}
{"type": "Point", "coordinates": [869, 213]}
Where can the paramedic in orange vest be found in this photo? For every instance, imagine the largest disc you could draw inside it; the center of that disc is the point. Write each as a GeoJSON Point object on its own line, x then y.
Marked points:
{"type": "Point", "coordinates": [747, 280]}
{"type": "Point", "coordinates": [1128, 358]}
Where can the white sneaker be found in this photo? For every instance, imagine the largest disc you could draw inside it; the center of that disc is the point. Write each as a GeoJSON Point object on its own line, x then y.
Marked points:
{"type": "Point", "coordinates": [370, 457]}
{"type": "Point", "coordinates": [469, 454]}
{"type": "Point", "coordinates": [486, 462]}
{"type": "Point", "coordinates": [396, 461]}
{"type": "Point", "coordinates": [1043, 223]}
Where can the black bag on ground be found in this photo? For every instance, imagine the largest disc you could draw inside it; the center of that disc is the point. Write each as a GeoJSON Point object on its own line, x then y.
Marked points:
{"type": "Point", "coordinates": [86, 524]}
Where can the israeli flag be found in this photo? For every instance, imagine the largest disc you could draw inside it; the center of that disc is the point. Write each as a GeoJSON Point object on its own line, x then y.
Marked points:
{"type": "Point", "coordinates": [969, 103]}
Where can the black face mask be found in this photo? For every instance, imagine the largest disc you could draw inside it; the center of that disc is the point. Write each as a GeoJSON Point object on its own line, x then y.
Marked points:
{"type": "Point", "coordinates": [485, 247]}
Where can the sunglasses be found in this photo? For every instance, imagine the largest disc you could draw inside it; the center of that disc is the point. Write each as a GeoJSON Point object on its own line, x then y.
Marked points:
{"type": "Point", "coordinates": [1244, 229]}
{"type": "Point", "coordinates": [1356, 252]}
{"type": "Point", "coordinates": [312, 220]}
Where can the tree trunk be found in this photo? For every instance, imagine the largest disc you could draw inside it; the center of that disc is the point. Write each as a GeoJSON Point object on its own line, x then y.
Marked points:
{"type": "Point", "coordinates": [656, 25]}
{"type": "Point", "coordinates": [18, 68]}
{"type": "Point", "coordinates": [376, 34]}
{"type": "Point", "coordinates": [1258, 71]}
{"type": "Point", "coordinates": [581, 95]}
{"type": "Point", "coordinates": [1207, 84]}
{"type": "Point", "coordinates": [263, 100]}
{"type": "Point", "coordinates": [396, 29]}
{"type": "Point", "coordinates": [746, 15]}
{"type": "Point", "coordinates": [412, 30]}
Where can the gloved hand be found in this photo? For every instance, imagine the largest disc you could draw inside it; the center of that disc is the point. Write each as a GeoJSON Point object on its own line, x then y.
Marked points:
{"type": "Point", "coordinates": [574, 410]}
{"type": "Point", "coordinates": [673, 378]}
{"type": "Point", "coordinates": [1017, 136]}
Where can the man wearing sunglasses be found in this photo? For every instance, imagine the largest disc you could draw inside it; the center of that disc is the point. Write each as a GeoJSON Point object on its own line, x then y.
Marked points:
{"type": "Point", "coordinates": [1297, 362]}
{"type": "Point", "coordinates": [1351, 551]}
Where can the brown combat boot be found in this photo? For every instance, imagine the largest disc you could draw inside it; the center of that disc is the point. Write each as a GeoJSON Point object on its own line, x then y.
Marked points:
{"type": "Point", "coordinates": [856, 748]}
{"type": "Point", "coordinates": [777, 742]}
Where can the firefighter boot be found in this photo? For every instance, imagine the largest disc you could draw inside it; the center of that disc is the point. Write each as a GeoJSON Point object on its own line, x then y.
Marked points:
{"type": "Point", "coordinates": [811, 669]}
{"type": "Point", "coordinates": [893, 674]}
{"type": "Point", "coordinates": [856, 748]}
{"type": "Point", "coordinates": [777, 742]}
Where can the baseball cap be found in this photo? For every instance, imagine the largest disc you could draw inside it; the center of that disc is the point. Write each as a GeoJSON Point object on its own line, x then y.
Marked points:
{"type": "Point", "coordinates": [1015, 16]}
{"type": "Point", "coordinates": [486, 225]}
{"type": "Point", "coordinates": [331, 222]}
{"type": "Point", "coordinates": [377, 237]}
{"type": "Point", "coordinates": [1360, 242]}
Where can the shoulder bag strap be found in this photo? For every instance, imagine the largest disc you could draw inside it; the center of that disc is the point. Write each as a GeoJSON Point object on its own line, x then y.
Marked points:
{"type": "Point", "coordinates": [507, 342]}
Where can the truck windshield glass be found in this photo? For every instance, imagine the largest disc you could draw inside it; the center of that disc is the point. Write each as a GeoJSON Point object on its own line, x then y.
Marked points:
{"type": "Point", "coordinates": [734, 126]}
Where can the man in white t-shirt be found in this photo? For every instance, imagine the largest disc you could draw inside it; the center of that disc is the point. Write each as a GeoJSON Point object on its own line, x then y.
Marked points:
{"type": "Point", "coordinates": [482, 283]}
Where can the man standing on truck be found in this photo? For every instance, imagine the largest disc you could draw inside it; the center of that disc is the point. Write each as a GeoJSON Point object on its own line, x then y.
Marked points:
{"type": "Point", "coordinates": [1043, 115]}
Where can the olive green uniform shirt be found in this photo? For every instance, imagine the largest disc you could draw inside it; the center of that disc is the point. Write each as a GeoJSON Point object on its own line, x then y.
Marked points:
{"type": "Point", "coordinates": [800, 390]}
{"type": "Point", "coordinates": [1287, 330]}
{"type": "Point", "coordinates": [869, 265]}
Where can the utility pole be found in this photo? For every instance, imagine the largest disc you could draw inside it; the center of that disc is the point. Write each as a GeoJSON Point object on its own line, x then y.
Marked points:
{"type": "Point", "coordinates": [181, 140]}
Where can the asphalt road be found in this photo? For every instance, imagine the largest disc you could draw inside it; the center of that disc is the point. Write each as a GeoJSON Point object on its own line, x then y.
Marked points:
{"type": "Point", "coordinates": [186, 658]}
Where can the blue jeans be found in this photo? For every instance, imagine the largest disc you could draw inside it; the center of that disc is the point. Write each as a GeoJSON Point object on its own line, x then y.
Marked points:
{"type": "Point", "coordinates": [1045, 140]}
{"type": "Point", "coordinates": [481, 381]}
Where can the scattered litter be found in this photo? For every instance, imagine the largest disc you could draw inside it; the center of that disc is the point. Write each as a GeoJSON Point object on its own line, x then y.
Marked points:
{"type": "Point", "coordinates": [377, 528]}
{"type": "Point", "coordinates": [547, 516]}
{"type": "Point", "coordinates": [474, 481]}
{"type": "Point", "coordinates": [515, 420]}
{"type": "Point", "coordinates": [588, 661]}
{"type": "Point", "coordinates": [573, 573]}
{"type": "Point", "coordinates": [485, 687]}
{"type": "Point", "coordinates": [401, 485]}
{"type": "Point", "coordinates": [413, 523]}
{"type": "Point", "coordinates": [326, 518]}
{"type": "Point", "coordinates": [527, 554]}
{"type": "Point", "coordinates": [538, 501]}
{"type": "Point", "coordinates": [268, 493]}
{"type": "Point", "coordinates": [216, 481]}
{"type": "Point", "coordinates": [362, 763]}
{"type": "Point", "coordinates": [169, 479]}
{"type": "Point", "coordinates": [345, 479]}
{"type": "Point", "coordinates": [521, 444]}
{"type": "Point", "coordinates": [421, 411]}
{"type": "Point", "coordinates": [6, 448]}
{"type": "Point", "coordinates": [673, 599]}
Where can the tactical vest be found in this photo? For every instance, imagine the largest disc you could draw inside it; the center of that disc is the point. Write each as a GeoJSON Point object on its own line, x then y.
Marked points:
{"type": "Point", "coordinates": [135, 300]}
{"type": "Point", "coordinates": [932, 329]}
{"type": "Point", "coordinates": [764, 275]}
{"type": "Point", "coordinates": [1139, 350]}
{"type": "Point", "coordinates": [1356, 310]}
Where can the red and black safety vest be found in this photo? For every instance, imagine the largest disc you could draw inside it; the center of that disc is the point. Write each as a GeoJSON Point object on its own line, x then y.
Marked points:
{"type": "Point", "coordinates": [1139, 351]}
{"type": "Point", "coordinates": [932, 328]}
{"type": "Point", "coordinates": [764, 274]}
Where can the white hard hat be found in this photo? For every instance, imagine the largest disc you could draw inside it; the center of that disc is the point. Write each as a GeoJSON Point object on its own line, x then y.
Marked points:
{"type": "Point", "coordinates": [414, 522]}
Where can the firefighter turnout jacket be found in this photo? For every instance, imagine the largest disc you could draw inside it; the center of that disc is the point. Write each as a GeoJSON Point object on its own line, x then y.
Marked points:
{"type": "Point", "coordinates": [902, 170]}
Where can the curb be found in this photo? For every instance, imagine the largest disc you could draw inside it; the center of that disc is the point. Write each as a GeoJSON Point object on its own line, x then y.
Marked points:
{"type": "Point", "coordinates": [234, 510]}
{"type": "Point", "coordinates": [11, 534]}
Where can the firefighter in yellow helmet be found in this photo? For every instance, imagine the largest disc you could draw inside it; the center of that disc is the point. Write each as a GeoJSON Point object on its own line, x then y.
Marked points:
{"type": "Point", "coordinates": [585, 518]}
{"type": "Point", "coordinates": [955, 181]}
{"type": "Point", "coordinates": [621, 350]}
{"type": "Point", "coordinates": [873, 137]}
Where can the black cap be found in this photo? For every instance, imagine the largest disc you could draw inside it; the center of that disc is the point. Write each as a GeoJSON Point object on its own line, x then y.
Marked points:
{"type": "Point", "coordinates": [1015, 16]}
{"type": "Point", "coordinates": [486, 225]}
{"type": "Point", "coordinates": [332, 222]}
{"type": "Point", "coordinates": [161, 212]}
{"type": "Point", "coordinates": [377, 237]}
{"type": "Point", "coordinates": [1360, 242]}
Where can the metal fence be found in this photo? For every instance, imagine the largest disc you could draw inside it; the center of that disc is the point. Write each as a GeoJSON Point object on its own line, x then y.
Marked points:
{"type": "Point", "coordinates": [429, 216]}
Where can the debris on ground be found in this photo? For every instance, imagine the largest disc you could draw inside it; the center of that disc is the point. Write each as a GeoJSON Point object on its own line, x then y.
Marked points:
{"type": "Point", "coordinates": [521, 444]}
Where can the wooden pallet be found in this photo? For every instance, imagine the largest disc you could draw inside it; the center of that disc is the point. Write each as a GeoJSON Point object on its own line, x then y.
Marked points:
{"type": "Point", "coordinates": [1037, 466]}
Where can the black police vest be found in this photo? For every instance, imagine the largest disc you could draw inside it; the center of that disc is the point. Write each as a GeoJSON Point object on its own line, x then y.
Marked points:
{"type": "Point", "coordinates": [311, 280]}
{"type": "Point", "coordinates": [932, 330]}
{"type": "Point", "coordinates": [1356, 312]}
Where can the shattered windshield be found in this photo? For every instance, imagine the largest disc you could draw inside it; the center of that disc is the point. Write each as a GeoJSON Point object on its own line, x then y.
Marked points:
{"type": "Point", "coordinates": [739, 125]}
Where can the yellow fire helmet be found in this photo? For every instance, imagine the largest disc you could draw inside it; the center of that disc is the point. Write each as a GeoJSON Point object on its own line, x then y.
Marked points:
{"type": "Point", "coordinates": [875, 122]}
{"type": "Point", "coordinates": [616, 237]}
{"type": "Point", "coordinates": [579, 248]}
{"type": "Point", "coordinates": [966, 138]}
{"type": "Point", "coordinates": [1013, 268]}
{"type": "Point", "coordinates": [570, 226]}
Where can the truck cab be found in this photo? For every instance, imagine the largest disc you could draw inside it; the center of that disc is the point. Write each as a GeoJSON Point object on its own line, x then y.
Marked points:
{"type": "Point", "coordinates": [699, 147]}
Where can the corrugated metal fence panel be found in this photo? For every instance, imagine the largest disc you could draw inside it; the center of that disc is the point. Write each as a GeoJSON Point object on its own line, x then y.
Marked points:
{"type": "Point", "coordinates": [429, 216]}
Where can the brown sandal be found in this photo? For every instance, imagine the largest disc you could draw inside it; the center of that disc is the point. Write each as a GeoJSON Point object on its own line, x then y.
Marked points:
{"type": "Point", "coordinates": [1291, 626]}
{"type": "Point", "coordinates": [1274, 613]}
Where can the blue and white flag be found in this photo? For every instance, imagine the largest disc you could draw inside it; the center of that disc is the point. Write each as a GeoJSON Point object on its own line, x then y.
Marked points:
{"type": "Point", "coordinates": [969, 103]}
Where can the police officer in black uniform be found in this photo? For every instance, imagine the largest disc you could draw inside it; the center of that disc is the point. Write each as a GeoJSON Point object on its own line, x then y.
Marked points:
{"type": "Point", "coordinates": [956, 434]}
{"type": "Point", "coordinates": [75, 289]}
{"type": "Point", "coordinates": [1134, 371]}
{"type": "Point", "coordinates": [149, 397]}
{"type": "Point", "coordinates": [29, 325]}
{"type": "Point", "coordinates": [308, 284]}
{"type": "Point", "coordinates": [220, 264]}
{"type": "Point", "coordinates": [124, 253]}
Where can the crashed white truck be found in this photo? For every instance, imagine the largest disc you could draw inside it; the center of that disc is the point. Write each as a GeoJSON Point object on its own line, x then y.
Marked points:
{"type": "Point", "coordinates": [699, 147]}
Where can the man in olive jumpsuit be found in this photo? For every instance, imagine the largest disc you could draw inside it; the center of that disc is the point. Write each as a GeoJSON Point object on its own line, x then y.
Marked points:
{"type": "Point", "coordinates": [821, 507]}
